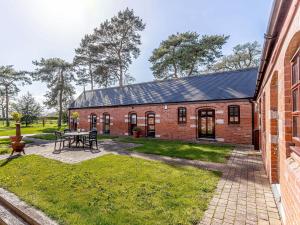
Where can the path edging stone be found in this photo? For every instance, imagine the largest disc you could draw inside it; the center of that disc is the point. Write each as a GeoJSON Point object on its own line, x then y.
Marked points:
{"type": "Point", "coordinates": [28, 213]}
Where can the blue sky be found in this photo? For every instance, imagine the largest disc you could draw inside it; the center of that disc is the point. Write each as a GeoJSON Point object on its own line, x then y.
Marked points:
{"type": "Point", "coordinates": [31, 29]}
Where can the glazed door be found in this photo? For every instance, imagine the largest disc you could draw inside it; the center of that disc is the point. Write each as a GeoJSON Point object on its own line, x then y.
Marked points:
{"type": "Point", "coordinates": [93, 122]}
{"type": "Point", "coordinates": [150, 125]}
{"type": "Point", "coordinates": [132, 122]}
{"type": "Point", "coordinates": [206, 123]}
{"type": "Point", "coordinates": [106, 124]}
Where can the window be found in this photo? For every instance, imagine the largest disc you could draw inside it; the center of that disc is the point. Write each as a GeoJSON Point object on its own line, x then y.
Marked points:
{"type": "Point", "coordinates": [233, 114]}
{"type": "Point", "coordinates": [263, 113]}
{"type": "Point", "coordinates": [181, 115]}
{"type": "Point", "coordinates": [106, 123]}
{"type": "Point", "coordinates": [73, 124]}
{"type": "Point", "coordinates": [132, 122]}
{"type": "Point", "coordinates": [150, 123]}
{"type": "Point", "coordinates": [295, 96]}
{"type": "Point", "coordinates": [93, 121]}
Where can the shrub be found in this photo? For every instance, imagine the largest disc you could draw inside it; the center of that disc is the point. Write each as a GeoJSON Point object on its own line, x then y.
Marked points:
{"type": "Point", "coordinates": [16, 116]}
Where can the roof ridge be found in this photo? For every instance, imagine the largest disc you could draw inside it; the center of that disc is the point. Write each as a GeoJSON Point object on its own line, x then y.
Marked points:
{"type": "Point", "coordinates": [180, 78]}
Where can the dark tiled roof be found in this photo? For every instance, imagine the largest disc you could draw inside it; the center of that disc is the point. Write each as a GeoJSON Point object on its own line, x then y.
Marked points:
{"type": "Point", "coordinates": [217, 86]}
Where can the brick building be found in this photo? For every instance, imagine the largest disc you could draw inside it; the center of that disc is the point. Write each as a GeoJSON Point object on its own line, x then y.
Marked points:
{"type": "Point", "coordinates": [278, 109]}
{"type": "Point", "coordinates": [214, 106]}
{"type": "Point", "coordinates": [223, 107]}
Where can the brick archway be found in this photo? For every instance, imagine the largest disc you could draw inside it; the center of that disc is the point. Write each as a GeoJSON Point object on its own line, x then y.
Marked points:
{"type": "Point", "coordinates": [290, 52]}
{"type": "Point", "coordinates": [275, 166]}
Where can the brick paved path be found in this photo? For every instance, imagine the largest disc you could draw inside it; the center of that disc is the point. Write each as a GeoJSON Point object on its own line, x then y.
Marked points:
{"type": "Point", "coordinates": [243, 195]}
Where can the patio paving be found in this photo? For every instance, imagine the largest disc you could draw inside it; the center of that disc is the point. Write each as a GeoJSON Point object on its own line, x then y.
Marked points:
{"type": "Point", "coordinates": [243, 195]}
{"type": "Point", "coordinates": [76, 155]}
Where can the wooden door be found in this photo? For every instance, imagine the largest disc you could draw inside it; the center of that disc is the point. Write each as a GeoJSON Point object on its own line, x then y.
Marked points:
{"type": "Point", "coordinates": [206, 123]}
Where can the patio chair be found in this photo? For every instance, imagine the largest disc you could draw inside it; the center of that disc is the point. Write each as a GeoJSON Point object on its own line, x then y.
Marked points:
{"type": "Point", "coordinates": [92, 138]}
{"type": "Point", "coordinates": [67, 130]}
{"type": "Point", "coordinates": [59, 139]}
{"type": "Point", "coordinates": [69, 139]}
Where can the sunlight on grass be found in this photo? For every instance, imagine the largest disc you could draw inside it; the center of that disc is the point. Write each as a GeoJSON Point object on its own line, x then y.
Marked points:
{"type": "Point", "coordinates": [111, 190]}
{"type": "Point", "coordinates": [32, 129]}
{"type": "Point", "coordinates": [179, 149]}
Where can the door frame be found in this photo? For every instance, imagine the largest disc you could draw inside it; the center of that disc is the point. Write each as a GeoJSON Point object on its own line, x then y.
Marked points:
{"type": "Point", "coordinates": [104, 123]}
{"type": "Point", "coordinates": [147, 130]}
{"type": "Point", "coordinates": [92, 116]}
{"type": "Point", "coordinates": [130, 132]}
{"type": "Point", "coordinates": [213, 136]}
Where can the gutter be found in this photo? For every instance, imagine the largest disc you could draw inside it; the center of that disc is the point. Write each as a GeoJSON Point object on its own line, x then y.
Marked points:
{"type": "Point", "coordinates": [279, 12]}
{"type": "Point", "coordinates": [167, 103]}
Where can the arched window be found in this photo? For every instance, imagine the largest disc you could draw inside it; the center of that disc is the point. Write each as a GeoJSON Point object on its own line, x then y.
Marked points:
{"type": "Point", "coordinates": [73, 124]}
{"type": "Point", "coordinates": [182, 115]}
{"type": "Point", "coordinates": [93, 121]}
{"type": "Point", "coordinates": [150, 124]}
{"type": "Point", "coordinates": [132, 122]}
{"type": "Point", "coordinates": [233, 114]}
{"type": "Point", "coordinates": [295, 97]}
{"type": "Point", "coordinates": [106, 123]}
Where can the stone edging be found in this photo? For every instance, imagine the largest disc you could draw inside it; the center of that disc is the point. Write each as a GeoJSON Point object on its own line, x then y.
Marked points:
{"type": "Point", "coordinates": [28, 213]}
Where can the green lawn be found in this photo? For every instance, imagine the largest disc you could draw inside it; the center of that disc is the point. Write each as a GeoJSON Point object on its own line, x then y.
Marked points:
{"type": "Point", "coordinates": [5, 146]}
{"type": "Point", "coordinates": [44, 136]}
{"type": "Point", "coordinates": [111, 190]}
{"type": "Point", "coordinates": [179, 149]}
{"type": "Point", "coordinates": [32, 129]}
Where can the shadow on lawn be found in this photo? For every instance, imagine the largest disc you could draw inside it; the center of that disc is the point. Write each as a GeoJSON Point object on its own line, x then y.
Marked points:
{"type": "Point", "coordinates": [9, 159]}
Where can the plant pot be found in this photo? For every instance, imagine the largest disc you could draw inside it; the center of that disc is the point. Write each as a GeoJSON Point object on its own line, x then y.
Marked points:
{"type": "Point", "coordinates": [136, 134]}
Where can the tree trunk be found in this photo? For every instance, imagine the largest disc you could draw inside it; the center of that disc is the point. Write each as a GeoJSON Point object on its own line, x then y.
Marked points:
{"type": "Point", "coordinates": [174, 65]}
{"type": "Point", "coordinates": [60, 100]}
{"type": "Point", "coordinates": [91, 76]}
{"type": "Point", "coordinates": [175, 71]}
{"type": "Point", "coordinates": [6, 107]}
{"type": "Point", "coordinates": [121, 77]}
{"type": "Point", "coordinates": [3, 111]}
{"type": "Point", "coordinates": [121, 69]}
{"type": "Point", "coordinates": [191, 70]}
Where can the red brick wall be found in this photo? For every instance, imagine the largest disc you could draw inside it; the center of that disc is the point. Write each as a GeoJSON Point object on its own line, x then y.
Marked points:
{"type": "Point", "coordinates": [277, 140]}
{"type": "Point", "coordinates": [167, 126]}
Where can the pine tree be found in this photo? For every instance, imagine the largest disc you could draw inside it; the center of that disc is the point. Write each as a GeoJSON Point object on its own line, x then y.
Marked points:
{"type": "Point", "coordinates": [119, 38]}
{"type": "Point", "coordinates": [185, 54]}
{"type": "Point", "coordinates": [58, 75]}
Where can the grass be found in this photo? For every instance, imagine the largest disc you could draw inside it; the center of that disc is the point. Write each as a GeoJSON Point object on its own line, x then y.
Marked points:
{"type": "Point", "coordinates": [49, 137]}
{"type": "Point", "coordinates": [111, 190]}
{"type": "Point", "coordinates": [32, 129]}
{"type": "Point", "coordinates": [5, 146]}
{"type": "Point", "coordinates": [107, 137]}
{"type": "Point", "coordinates": [179, 149]}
